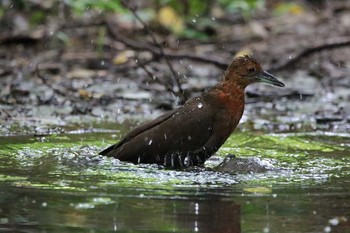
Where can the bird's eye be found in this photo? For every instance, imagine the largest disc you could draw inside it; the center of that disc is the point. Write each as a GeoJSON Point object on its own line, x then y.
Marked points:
{"type": "Point", "coordinates": [251, 70]}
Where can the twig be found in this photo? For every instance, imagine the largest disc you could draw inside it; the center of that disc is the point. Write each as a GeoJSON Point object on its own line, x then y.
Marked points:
{"type": "Point", "coordinates": [151, 75]}
{"type": "Point", "coordinates": [43, 79]}
{"type": "Point", "coordinates": [139, 46]}
{"type": "Point", "coordinates": [308, 52]}
{"type": "Point", "coordinates": [174, 75]}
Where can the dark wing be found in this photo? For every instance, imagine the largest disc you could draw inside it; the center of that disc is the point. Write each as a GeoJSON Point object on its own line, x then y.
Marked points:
{"type": "Point", "coordinates": [110, 151]}
{"type": "Point", "coordinates": [178, 132]}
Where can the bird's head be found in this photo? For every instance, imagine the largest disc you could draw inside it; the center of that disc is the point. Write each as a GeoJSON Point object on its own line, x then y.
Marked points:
{"type": "Point", "coordinates": [246, 70]}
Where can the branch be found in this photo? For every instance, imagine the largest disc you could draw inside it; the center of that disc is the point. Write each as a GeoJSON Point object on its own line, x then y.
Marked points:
{"type": "Point", "coordinates": [139, 46]}
{"type": "Point", "coordinates": [175, 76]}
{"type": "Point", "coordinates": [308, 52]}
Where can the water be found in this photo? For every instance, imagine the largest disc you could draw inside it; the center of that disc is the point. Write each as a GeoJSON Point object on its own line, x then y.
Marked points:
{"type": "Point", "coordinates": [58, 183]}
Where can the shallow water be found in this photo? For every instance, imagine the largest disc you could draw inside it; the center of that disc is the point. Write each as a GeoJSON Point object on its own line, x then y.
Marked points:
{"type": "Point", "coordinates": [58, 183]}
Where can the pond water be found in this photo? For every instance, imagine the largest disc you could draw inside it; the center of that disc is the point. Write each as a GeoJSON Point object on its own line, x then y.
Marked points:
{"type": "Point", "coordinates": [58, 183]}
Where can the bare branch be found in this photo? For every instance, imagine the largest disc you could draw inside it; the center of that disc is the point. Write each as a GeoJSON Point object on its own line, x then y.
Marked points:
{"type": "Point", "coordinates": [308, 52]}
{"type": "Point", "coordinates": [139, 46]}
{"type": "Point", "coordinates": [174, 75]}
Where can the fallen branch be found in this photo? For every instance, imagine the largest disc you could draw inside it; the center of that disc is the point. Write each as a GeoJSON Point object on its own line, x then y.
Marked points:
{"type": "Point", "coordinates": [308, 52]}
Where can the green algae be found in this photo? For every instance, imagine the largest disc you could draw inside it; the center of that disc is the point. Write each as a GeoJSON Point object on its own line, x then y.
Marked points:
{"type": "Point", "coordinates": [301, 157]}
{"type": "Point", "coordinates": [67, 186]}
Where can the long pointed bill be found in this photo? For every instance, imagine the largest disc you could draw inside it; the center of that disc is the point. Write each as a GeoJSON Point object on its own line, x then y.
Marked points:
{"type": "Point", "coordinates": [266, 77]}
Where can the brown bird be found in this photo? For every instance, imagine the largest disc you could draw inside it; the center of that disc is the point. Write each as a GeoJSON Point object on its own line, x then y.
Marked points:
{"type": "Point", "coordinates": [190, 134]}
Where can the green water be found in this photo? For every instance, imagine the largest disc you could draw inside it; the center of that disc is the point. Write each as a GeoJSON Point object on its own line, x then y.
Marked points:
{"type": "Point", "coordinates": [58, 183]}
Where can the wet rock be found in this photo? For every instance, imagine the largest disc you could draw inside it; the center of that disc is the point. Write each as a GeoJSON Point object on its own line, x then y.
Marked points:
{"type": "Point", "coordinates": [234, 165]}
{"type": "Point", "coordinates": [97, 111]}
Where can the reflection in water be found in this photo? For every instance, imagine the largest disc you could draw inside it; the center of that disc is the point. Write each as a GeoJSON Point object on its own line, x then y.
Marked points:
{"type": "Point", "coordinates": [213, 215]}
{"type": "Point", "coordinates": [24, 211]}
{"type": "Point", "coordinates": [46, 188]}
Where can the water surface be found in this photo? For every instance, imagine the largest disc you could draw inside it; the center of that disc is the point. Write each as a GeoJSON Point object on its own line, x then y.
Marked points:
{"type": "Point", "coordinates": [58, 183]}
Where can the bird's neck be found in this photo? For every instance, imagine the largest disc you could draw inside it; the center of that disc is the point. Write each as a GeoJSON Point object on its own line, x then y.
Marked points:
{"type": "Point", "coordinates": [231, 93]}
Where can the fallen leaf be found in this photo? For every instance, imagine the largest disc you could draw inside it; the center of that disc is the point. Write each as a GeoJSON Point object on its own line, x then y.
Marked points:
{"type": "Point", "coordinates": [168, 17]}
{"type": "Point", "coordinates": [123, 57]}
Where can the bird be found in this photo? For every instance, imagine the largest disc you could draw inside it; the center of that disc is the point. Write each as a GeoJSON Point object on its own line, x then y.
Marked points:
{"type": "Point", "coordinates": [190, 134]}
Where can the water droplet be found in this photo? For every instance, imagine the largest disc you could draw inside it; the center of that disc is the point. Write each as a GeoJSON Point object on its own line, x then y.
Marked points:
{"type": "Point", "coordinates": [180, 160]}
{"type": "Point", "coordinates": [189, 137]}
{"type": "Point", "coordinates": [165, 137]}
{"type": "Point", "coordinates": [301, 96]}
{"type": "Point", "coordinates": [196, 226]}
{"type": "Point", "coordinates": [172, 160]}
{"type": "Point", "coordinates": [102, 63]}
{"type": "Point", "coordinates": [44, 204]}
{"type": "Point", "coordinates": [266, 229]}
{"type": "Point", "coordinates": [196, 209]}
{"type": "Point", "coordinates": [92, 41]}
{"type": "Point", "coordinates": [200, 105]}
{"type": "Point", "coordinates": [150, 142]}
{"type": "Point", "coordinates": [187, 161]}
{"type": "Point", "coordinates": [118, 111]}
{"type": "Point", "coordinates": [290, 57]}
{"type": "Point", "coordinates": [190, 67]}
{"type": "Point", "coordinates": [327, 229]}
{"type": "Point", "coordinates": [139, 159]}
{"type": "Point", "coordinates": [213, 18]}
{"type": "Point", "coordinates": [194, 20]}
{"type": "Point", "coordinates": [334, 221]}
{"type": "Point", "coordinates": [165, 160]}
